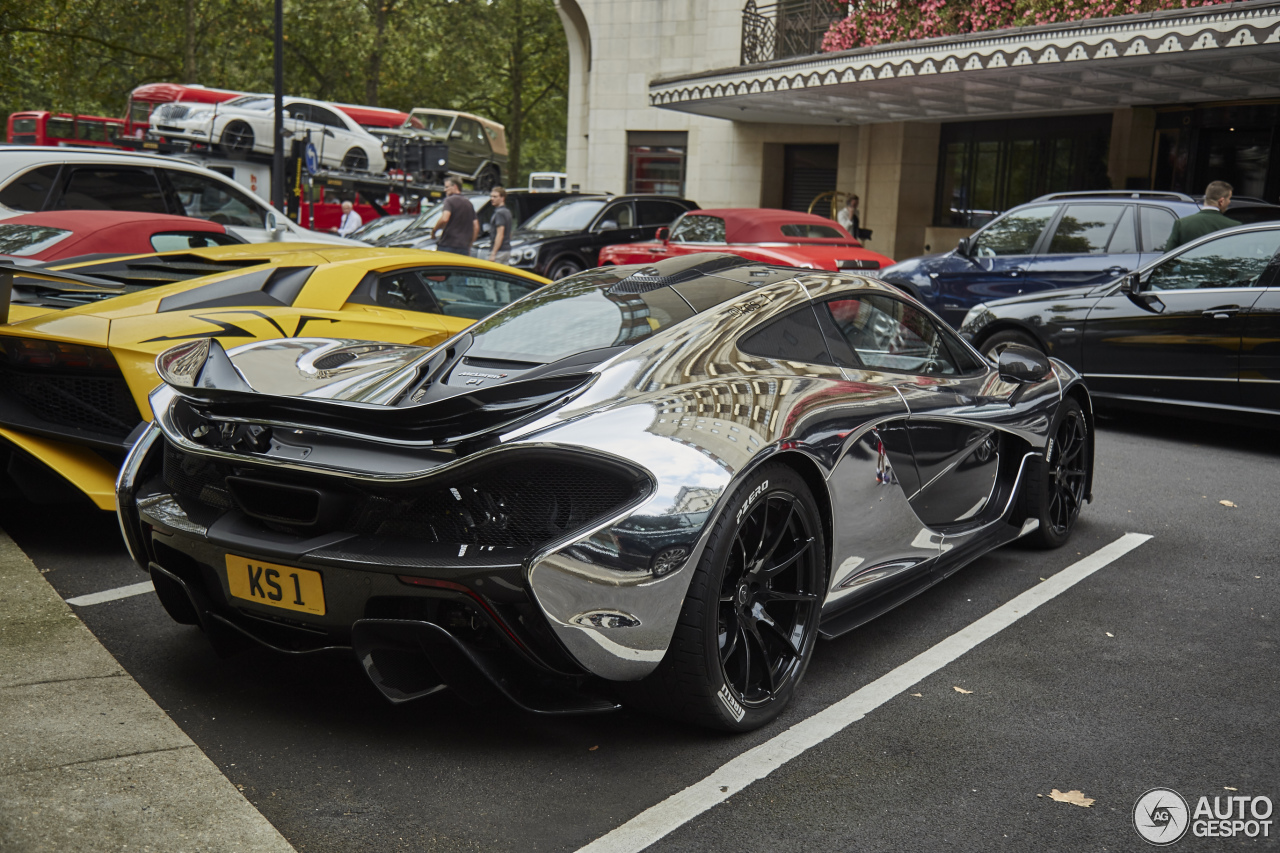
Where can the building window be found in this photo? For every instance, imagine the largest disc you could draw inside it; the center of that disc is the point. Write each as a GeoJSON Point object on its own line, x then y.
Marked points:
{"type": "Point", "coordinates": [656, 162]}
{"type": "Point", "coordinates": [987, 167]}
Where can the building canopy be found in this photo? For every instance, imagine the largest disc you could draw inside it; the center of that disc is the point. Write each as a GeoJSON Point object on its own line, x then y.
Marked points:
{"type": "Point", "coordinates": [1216, 53]}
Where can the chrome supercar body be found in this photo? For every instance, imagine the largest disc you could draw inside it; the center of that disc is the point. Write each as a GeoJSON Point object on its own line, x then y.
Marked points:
{"type": "Point", "coordinates": [522, 510]}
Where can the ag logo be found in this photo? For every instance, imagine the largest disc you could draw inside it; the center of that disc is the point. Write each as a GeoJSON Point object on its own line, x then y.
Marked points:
{"type": "Point", "coordinates": [1161, 816]}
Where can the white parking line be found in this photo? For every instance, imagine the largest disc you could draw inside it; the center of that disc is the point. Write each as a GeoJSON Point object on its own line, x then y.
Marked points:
{"type": "Point", "coordinates": [112, 594]}
{"type": "Point", "coordinates": [675, 811]}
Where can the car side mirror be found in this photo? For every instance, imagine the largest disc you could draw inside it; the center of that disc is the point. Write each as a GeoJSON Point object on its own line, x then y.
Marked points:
{"type": "Point", "coordinates": [964, 247]}
{"type": "Point", "coordinates": [487, 228]}
{"type": "Point", "coordinates": [1131, 283]}
{"type": "Point", "coordinates": [273, 224]}
{"type": "Point", "coordinates": [1023, 365]}
{"type": "Point", "coordinates": [608, 225]}
{"type": "Point", "coordinates": [457, 134]}
{"type": "Point", "coordinates": [663, 234]}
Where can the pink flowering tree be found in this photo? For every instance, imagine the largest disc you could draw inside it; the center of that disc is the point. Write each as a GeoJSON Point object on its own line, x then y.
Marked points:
{"type": "Point", "coordinates": [887, 21]}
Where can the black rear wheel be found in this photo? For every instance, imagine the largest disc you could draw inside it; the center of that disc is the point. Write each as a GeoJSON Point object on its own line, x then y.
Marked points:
{"type": "Point", "coordinates": [487, 179]}
{"type": "Point", "coordinates": [356, 159]}
{"type": "Point", "coordinates": [238, 138]}
{"type": "Point", "coordinates": [748, 626]}
{"type": "Point", "coordinates": [1054, 490]}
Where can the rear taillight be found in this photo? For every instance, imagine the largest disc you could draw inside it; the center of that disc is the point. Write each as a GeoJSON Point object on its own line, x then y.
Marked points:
{"type": "Point", "coordinates": [55, 355]}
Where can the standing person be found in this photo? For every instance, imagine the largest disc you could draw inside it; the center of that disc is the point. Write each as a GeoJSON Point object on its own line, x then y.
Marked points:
{"type": "Point", "coordinates": [1216, 198]}
{"type": "Point", "coordinates": [500, 226]}
{"type": "Point", "coordinates": [350, 219]}
{"type": "Point", "coordinates": [457, 226]}
{"type": "Point", "coordinates": [848, 216]}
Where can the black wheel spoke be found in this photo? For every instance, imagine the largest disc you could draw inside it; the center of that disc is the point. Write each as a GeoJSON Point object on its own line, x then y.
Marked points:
{"type": "Point", "coordinates": [766, 664]}
{"type": "Point", "coordinates": [763, 509]}
{"type": "Point", "coordinates": [731, 645]}
{"type": "Point", "coordinates": [769, 596]}
{"type": "Point", "coordinates": [777, 539]}
{"type": "Point", "coordinates": [783, 636]}
{"type": "Point", "coordinates": [789, 562]}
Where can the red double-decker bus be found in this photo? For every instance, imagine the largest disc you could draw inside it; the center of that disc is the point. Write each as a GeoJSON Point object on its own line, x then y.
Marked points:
{"type": "Point", "coordinates": [41, 127]}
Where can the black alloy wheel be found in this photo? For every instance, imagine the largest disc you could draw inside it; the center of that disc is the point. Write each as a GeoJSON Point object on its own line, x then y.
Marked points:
{"type": "Point", "coordinates": [996, 344]}
{"type": "Point", "coordinates": [238, 138]}
{"type": "Point", "coordinates": [1055, 488]}
{"type": "Point", "coordinates": [768, 600]}
{"type": "Point", "coordinates": [563, 268]}
{"type": "Point", "coordinates": [750, 620]}
{"type": "Point", "coordinates": [356, 159]}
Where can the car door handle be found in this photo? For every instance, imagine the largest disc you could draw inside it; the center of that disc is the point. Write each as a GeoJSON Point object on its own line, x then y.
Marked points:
{"type": "Point", "coordinates": [1222, 312]}
{"type": "Point", "coordinates": [1115, 271]}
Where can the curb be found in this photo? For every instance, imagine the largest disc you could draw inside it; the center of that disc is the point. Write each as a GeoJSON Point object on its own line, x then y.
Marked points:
{"type": "Point", "coordinates": [88, 762]}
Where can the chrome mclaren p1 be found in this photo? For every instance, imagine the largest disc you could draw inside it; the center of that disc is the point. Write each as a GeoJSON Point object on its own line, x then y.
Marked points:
{"type": "Point", "coordinates": [649, 485]}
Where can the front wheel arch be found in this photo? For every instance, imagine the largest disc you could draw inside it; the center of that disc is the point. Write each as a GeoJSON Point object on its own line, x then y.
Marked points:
{"type": "Point", "coordinates": [996, 328]}
{"type": "Point", "coordinates": [906, 287]}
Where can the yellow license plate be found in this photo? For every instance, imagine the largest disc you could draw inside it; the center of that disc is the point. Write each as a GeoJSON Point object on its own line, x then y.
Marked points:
{"type": "Point", "coordinates": [276, 586]}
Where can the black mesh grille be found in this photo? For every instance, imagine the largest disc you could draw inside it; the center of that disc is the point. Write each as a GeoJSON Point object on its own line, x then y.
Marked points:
{"type": "Point", "coordinates": [520, 504]}
{"type": "Point", "coordinates": [98, 403]}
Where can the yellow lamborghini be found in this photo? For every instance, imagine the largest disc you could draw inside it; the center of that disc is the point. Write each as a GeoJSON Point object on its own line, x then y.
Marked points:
{"type": "Point", "coordinates": [78, 342]}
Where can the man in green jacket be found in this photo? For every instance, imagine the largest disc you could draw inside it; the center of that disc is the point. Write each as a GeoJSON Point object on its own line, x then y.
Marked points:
{"type": "Point", "coordinates": [1216, 198]}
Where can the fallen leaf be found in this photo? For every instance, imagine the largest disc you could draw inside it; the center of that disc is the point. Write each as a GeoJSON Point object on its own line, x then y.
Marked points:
{"type": "Point", "coordinates": [918, 695]}
{"type": "Point", "coordinates": [593, 749]}
{"type": "Point", "coordinates": [1041, 796]}
{"type": "Point", "coordinates": [1226, 503]}
{"type": "Point", "coordinates": [1227, 788]}
{"type": "Point", "coordinates": [961, 690]}
{"type": "Point", "coordinates": [1076, 798]}
{"type": "Point", "coordinates": [1109, 634]}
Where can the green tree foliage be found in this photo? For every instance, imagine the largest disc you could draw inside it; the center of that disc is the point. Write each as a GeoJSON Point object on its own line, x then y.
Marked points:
{"type": "Point", "coordinates": [503, 59]}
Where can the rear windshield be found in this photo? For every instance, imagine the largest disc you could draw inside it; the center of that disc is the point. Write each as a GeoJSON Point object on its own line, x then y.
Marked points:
{"type": "Point", "coordinates": [824, 232]}
{"type": "Point", "coordinates": [28, 239]}
{"type": "Point", "coordinates": [575, 316]}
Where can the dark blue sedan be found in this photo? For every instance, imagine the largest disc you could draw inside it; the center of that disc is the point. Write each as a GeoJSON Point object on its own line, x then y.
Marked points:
{"type": "Point", "coordinates": [1056, 241]}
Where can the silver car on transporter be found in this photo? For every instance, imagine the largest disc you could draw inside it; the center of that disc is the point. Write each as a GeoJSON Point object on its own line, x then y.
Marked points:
{"type": "Point", "coordinates": [651, 485]}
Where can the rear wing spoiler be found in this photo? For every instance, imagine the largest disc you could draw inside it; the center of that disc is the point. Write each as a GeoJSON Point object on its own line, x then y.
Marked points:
{"type": "Point", "coordinates": [216, 392]}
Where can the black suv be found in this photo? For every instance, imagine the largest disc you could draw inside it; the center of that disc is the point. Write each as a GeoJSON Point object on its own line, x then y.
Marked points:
{"type": "Point", "coordinates": [1059, 240]}
{"type": "Point", "coordinates": [566, 237]}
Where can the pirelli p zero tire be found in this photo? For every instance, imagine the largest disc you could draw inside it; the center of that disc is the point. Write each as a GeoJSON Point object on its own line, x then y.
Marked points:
{"type": "Point", "coordinates": [237, 138]}
{"type": "Point", "coordinates": [994, 345]}
{"type": "Point", "coordinates": [1054, 489]}
{"type": "Point", "coordinates": [750, 619]}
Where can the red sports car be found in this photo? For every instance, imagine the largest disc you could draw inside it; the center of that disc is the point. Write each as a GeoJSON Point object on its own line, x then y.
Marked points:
{"type": "Point", "coordinates": [59, 234]}
{"type": "Point", "coordinates": [760, 234]}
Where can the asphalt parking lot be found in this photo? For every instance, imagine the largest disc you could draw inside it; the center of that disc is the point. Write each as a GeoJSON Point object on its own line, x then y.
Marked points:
{"type": "Point", "coordinates": [1160, 669]}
